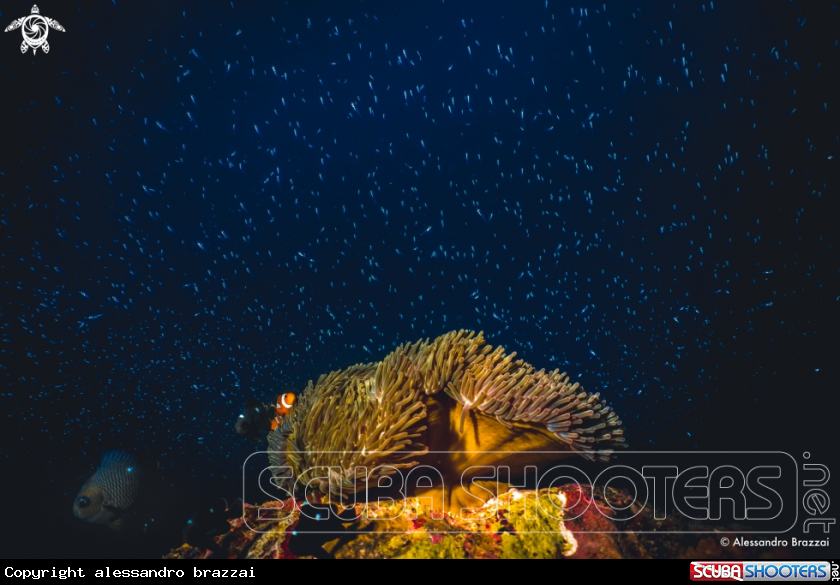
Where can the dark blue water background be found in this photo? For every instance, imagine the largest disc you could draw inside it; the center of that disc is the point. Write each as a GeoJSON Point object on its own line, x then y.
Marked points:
{"type": "Point", "coordinates": [204, 202]}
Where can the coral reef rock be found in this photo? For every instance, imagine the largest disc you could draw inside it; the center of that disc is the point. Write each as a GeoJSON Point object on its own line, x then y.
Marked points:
{"type": "Point", "coordinates": [518, 524]}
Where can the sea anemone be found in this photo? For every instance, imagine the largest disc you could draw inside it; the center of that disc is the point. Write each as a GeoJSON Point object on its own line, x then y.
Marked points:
{"type": "Point", "coordinates": [392, 415]}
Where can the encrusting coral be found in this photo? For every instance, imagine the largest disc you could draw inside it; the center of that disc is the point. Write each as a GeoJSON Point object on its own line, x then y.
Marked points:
{"type": "Point", "coordinates": [586, 528]}
{"type": "Point", "coordinates": [451, 404]}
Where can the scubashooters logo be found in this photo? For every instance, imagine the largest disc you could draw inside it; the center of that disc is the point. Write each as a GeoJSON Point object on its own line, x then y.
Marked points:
{"type": "Point", "coordinates": [815, 500]}
{"type": "Point", "coordinates": [761, 571]}
{"type": "Point", "coordinates": [35, 29]}
{"type": "Point", "coordinates": [701, 491]}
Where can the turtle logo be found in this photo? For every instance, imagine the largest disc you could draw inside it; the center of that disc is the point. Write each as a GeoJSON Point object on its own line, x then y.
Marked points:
{"type": "Point", "coordinates": [35, 29]}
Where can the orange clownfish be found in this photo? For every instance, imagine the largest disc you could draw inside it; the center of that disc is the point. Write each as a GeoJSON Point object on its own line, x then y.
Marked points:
{"type": "Point", "coordinates": [282, 408]}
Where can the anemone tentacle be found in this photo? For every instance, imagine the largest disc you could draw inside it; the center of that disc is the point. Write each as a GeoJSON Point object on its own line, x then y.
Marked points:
{"type": "Point", "coordinates": [374, 415]}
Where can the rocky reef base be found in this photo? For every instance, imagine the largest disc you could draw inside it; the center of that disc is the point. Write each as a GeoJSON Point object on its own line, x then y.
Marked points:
{"type": "Point", "coordinates": [518, 524]}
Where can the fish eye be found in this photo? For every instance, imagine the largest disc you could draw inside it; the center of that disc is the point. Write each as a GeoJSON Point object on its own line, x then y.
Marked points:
{"type": "Point", "coordinates": [83, 502]}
